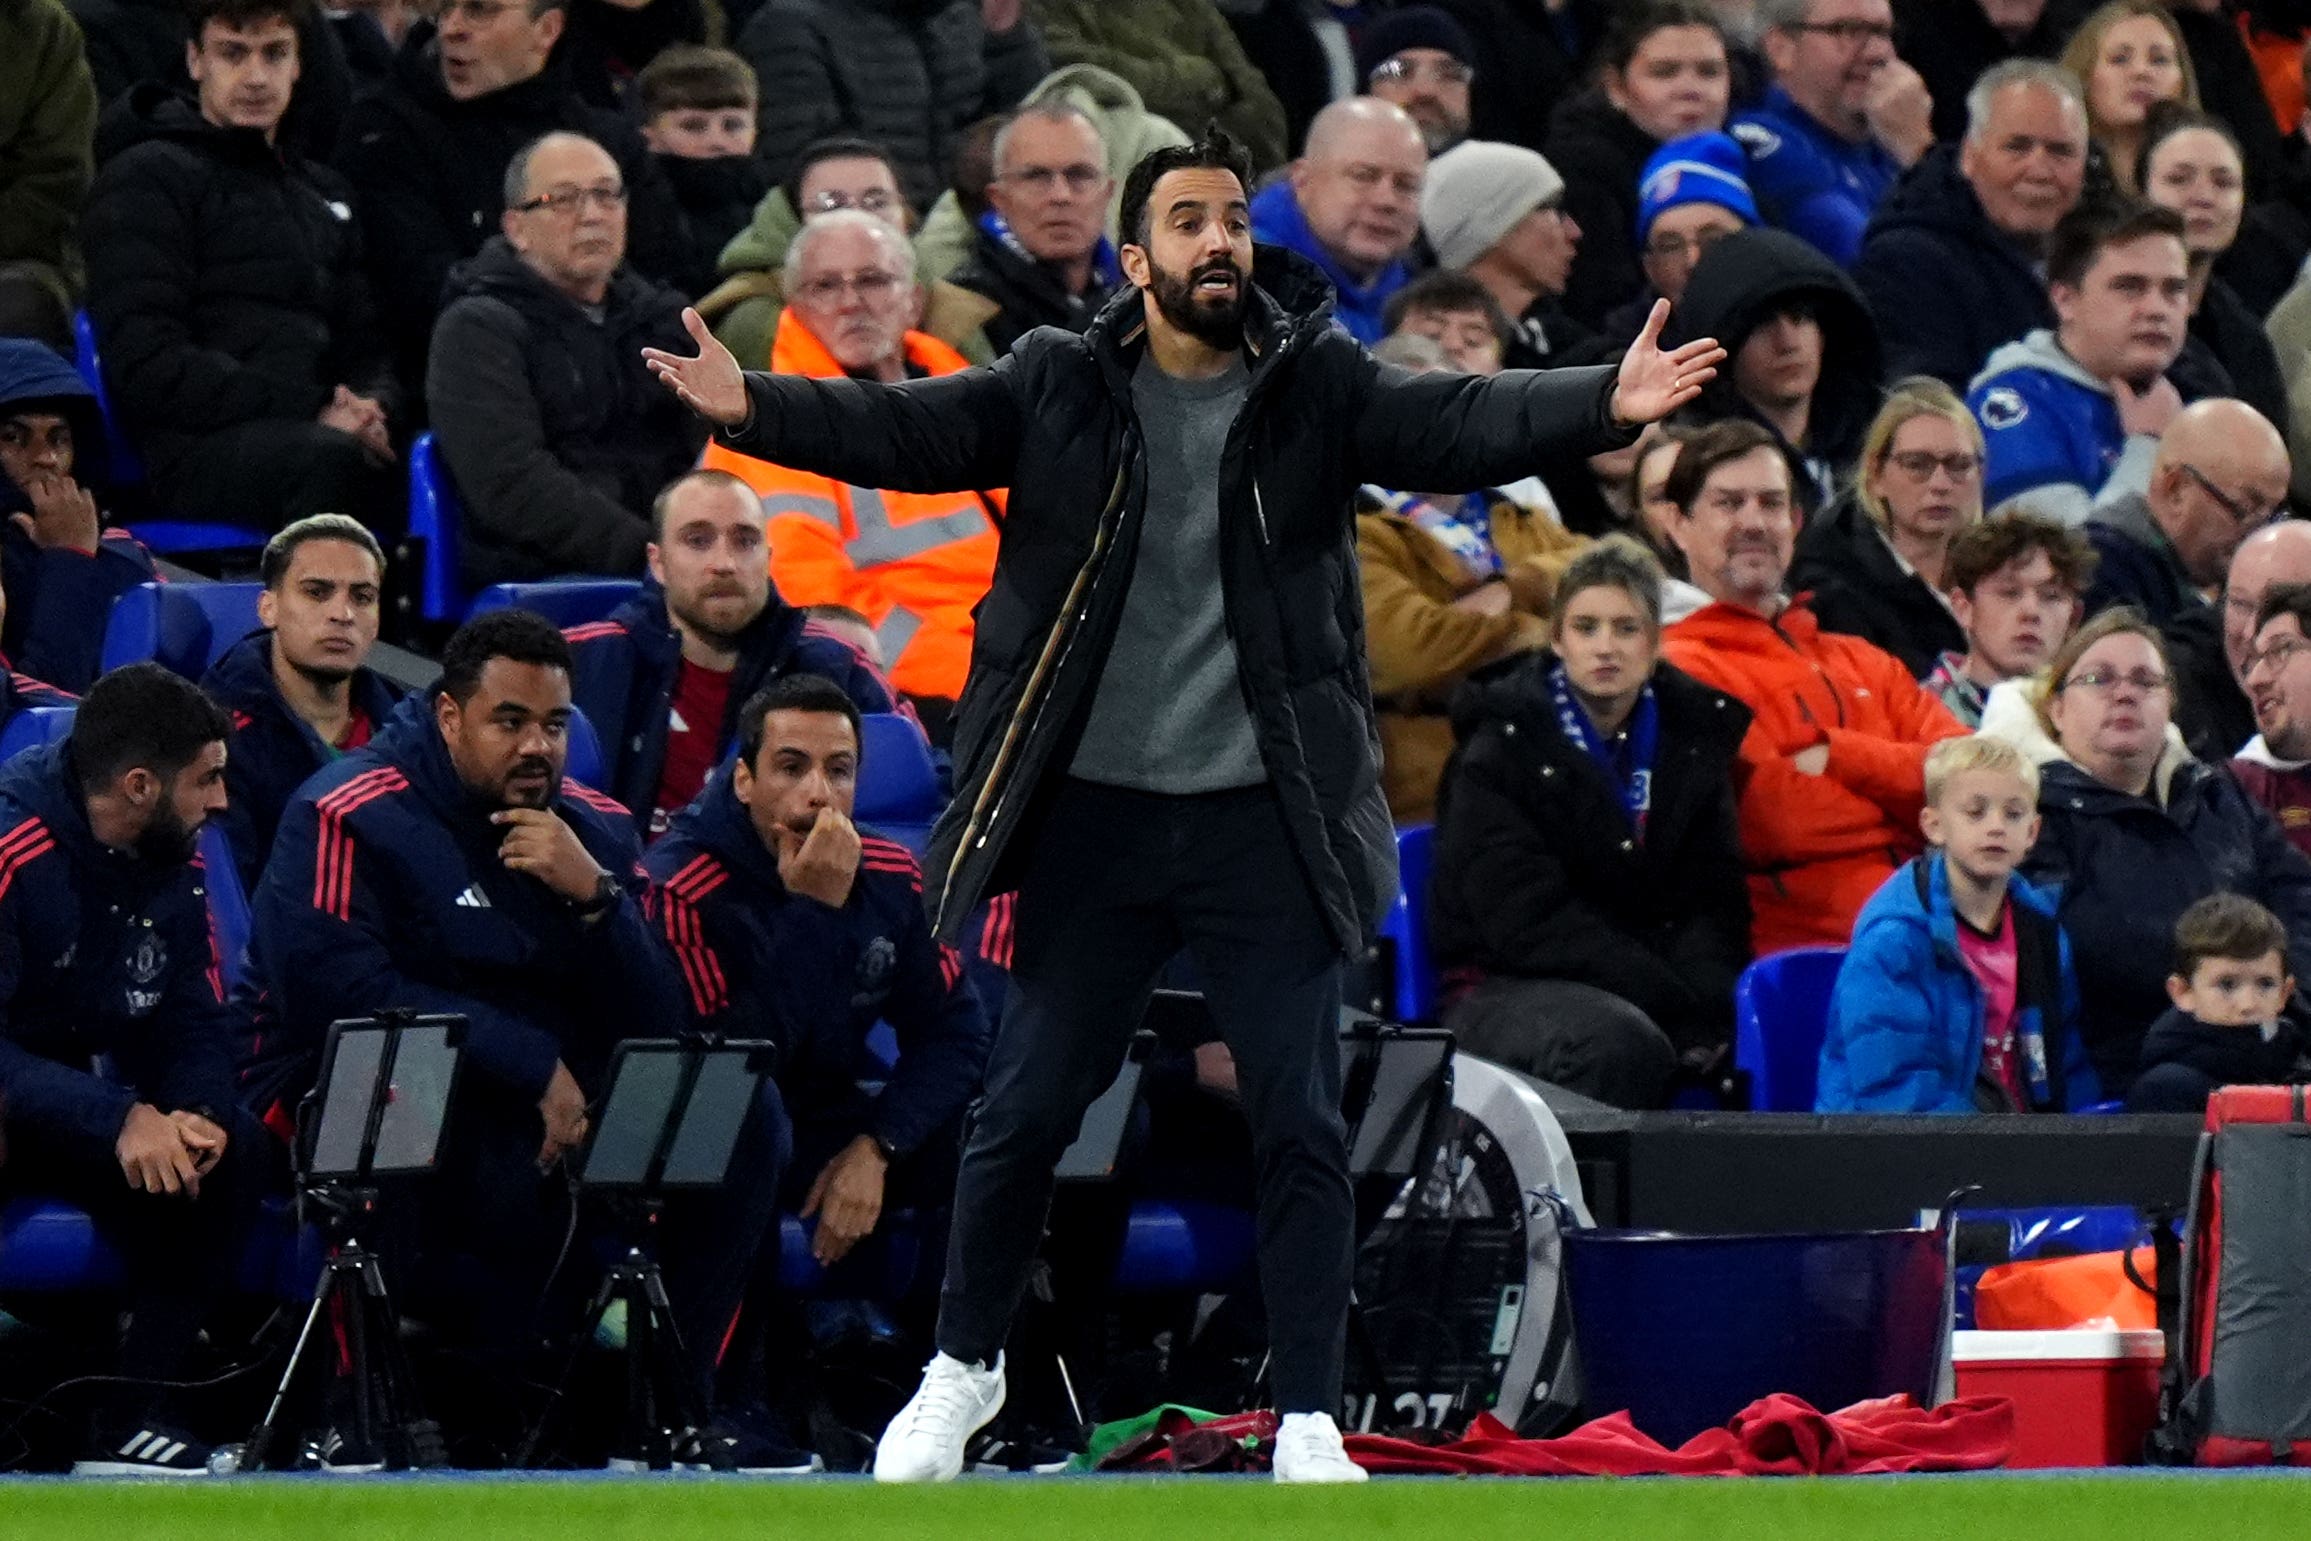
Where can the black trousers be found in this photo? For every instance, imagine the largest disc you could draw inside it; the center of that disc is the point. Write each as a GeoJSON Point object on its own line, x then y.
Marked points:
{"type": "Point", "coordinates": [1119, 881]}
{"type": "Point", "coordinates": [272, 471]}
{"type": "Point", "coordinates": [181, 1254]}
{"type": "Point", "coordinates": [491, 1228]}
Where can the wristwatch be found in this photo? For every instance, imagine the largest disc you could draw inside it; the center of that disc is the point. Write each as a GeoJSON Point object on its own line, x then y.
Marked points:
{"type": "Point", "coordinates": [605, 895]}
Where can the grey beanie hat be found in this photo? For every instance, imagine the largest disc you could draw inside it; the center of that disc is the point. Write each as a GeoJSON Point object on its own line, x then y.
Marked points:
{"type": "Point", "coordinates": [1477, 191]}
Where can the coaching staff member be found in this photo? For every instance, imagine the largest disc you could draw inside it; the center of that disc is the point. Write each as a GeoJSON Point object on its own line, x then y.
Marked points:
{"type": "Point", "coordinates": [1167, 736]}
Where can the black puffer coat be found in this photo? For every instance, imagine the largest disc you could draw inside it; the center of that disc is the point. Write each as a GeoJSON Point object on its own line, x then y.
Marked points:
{"type": "Point", "coordinates": [1601, 153]}
{"type": "Point", "coordinates": [1538, 876]}
{"type": "Point", "coordinates": [1860, 587]}
{"type": "Point", "coordinates": [1055, 423]}
{"type": "Point", "coordinates": [225, 278]}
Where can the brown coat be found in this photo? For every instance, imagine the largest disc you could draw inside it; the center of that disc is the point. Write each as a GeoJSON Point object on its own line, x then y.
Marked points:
{"type": "Point", "coordinates": [1420, 647]}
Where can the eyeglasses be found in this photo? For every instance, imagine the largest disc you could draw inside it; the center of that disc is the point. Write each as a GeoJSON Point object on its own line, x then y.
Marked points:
{"type": "Point", "coordinates": [2104, 681]}
{"type": "Point", "coordinates": [1671, 248]}
{"type": "Point", "coordinates": [871, 288]}
{"type": "Point", "coordinates": [1080, 179]}
{"type": "Point", "coordinates": [1852, 33]}
{"type": "Point", "coordinates": [1918, 464]}
{"type": "Point", "coordinates": [2241, 513]}
{"type": "Point", "coordinates": [874, 200]}
{"type": "Point", "coordinates": [565, 200]}
{"type": "Point", "coordinates": [2279, 654]}
{"type": "Point", "coordinates": [1401, 71]}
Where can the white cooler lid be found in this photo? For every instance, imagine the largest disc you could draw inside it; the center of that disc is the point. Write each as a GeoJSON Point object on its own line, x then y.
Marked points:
{"type": "Point", "coordinates": [1975, 1347]}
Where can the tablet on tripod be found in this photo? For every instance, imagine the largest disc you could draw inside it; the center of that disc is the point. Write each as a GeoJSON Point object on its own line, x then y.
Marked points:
{"type": "Point", "coordinates": [383, 1097]}
{"type": "Point", "coordinates": [1396, 1083]}
{"type": "Point", "coordinates": [673, 1113]}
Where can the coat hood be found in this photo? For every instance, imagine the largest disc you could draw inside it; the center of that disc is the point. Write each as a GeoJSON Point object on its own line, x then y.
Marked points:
{"type": "Point", "coordinates": [717, 822]}
{"type": "Point", "coordinates": [1935, 195]}
{"type": "Point", "coordinates": [1739, 284]}
{"type": "Point", "coordinates": [242, 680]}
{"type": "Point", "coordinates": [32, 375]}
{"type": "Point", "coordinates": [1587, 128]}
{"type": "Point", "coordinates": [1898, 903]}
{"type": "Point", "coordinates": [2011, 713]}
{"type": "Point", "coordinates": [498, 272]}
{"type": "Point", "coordinates": [151, 109]}
{"type": "Point", "coordinates": [644, 617]}
{"type": "Point", "coordinates": [44, 781]}
{"type": "Point", "coordinates": [2038, 350]}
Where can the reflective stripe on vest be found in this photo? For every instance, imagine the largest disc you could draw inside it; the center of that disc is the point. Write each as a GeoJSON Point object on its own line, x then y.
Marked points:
{"type": "Point", "coordinates": [879, 540]}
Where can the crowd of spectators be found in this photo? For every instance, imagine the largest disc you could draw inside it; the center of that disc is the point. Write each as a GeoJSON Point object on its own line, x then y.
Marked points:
{"type": "Point", "coordinates": [1963, 620]}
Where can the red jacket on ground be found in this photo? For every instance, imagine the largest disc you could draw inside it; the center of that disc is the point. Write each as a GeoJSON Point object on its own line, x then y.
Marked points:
{"type": "Point", "coordinates": [1817, 846]}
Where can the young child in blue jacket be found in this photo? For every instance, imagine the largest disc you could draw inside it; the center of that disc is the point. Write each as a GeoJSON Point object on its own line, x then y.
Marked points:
{"type": "Point", "coordinates": [1957, 994]}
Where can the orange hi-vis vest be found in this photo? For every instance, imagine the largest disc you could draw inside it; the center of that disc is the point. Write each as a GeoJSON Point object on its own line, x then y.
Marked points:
{"type": "Point", "coordinates": [913, 563]}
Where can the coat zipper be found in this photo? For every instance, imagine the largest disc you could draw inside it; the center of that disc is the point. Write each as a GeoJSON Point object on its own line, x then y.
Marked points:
{"type": "Point", "coordinates": [989, 804]}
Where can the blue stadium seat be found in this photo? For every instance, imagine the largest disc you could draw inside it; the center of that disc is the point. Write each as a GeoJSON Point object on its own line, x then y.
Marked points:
{"type": "Point", "coordinates": [126, 473]}
{"type": "Point", "coordinates": [50, 1247]}
{"type": "Point", "coordinates": [1405, 927]}
{"type": "Point", "coordinates": [34, 726]}
{"type": "Point", "coordinates": [228, 904]}
{"type": "Point", "coordinates": [434, 517]}
{"type": "Point", "coordinates": [898, 785]}
{"type": "Point", "coordinates": [184, 626]}
{"type": "Point", "coordinates": [585, 761]}
{"type": "Point", "coordinates": [1781, 1009]}
{"type": "Point", "coordinates": [564, 601]}
{"type": "Point", "coordinates": [1184, 1245]}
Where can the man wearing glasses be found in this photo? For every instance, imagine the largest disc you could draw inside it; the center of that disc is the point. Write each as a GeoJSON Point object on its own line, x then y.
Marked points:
{"type": "Point", "coordinates": [914, 563]}
{"type": "Point", "coordinates": [2275, 767]}
{"type": "Point", "coordinates": [428, 154]}
{"type": "Point", "coordinates": [1041, 250]}
{"type": "Point", "coordinates": [1843, 120]}
{"type": "Point", "coordinates": [554, 433]}
{"type": "Point", "coordinates": [1423, 61]}
{"type": "Point", "coordinates": [2220, 476]}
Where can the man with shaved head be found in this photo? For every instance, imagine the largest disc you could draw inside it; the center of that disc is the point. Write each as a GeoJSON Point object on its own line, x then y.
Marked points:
{"type": "Point", "coordinates": [1352, 206]}
{"type": "Point", "coordinates": [2220, 475]}
{"type": "Point", "coordinates": [550, 426]}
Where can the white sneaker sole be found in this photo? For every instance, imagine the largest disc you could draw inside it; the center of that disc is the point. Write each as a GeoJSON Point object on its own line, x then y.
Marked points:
{"type": "Point", "coordinates": [1352, 1473]}
{"type": "Point", "coordinates": [135, 1469]}
{"type": "Point", "coordinates": [952, 1467]}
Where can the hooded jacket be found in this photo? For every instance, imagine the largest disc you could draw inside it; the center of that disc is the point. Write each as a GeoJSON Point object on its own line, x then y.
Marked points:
{"type": "Point", "coordinates": [1600, 152]}
{"type": "Point", "coordinates": [746, 307]}
{"type": "Point", "coordinates": [1055, 422]}
{"type": "Point", "coordinates": [1817, 847]}
{"type": "Point", "coordinates": [47, 123]}
{"type": "Point", "coordinates": [718, 196]}
{"type": "Point", "coordinates": [1906, 1019]}
{"type": "Point", "coordinates": [1855, 583]}
{"type": "Point", "coordinates": [58, 598]}
{"type": "Point", "coordinates": [1422, 648]}
{"type": "Point", "coordinates": [915, 564]}
{"type": "Point", "coordinates": [1818, 186]}
{"type": "Point", "coordinates": [908, 74]}
{"type": "Point", "coordinates": [1359, 307]}
{"type": "Point", "coordinates": [273, 750]}
{"type": "Point", "coordinates": [101, 952]}
{"type": "Point", "coordinates": [626, 667]}
{"type": "Point", "coordinates": [1028, 292]}
{"type": "Point", "coordinates": [131, 42]}
{"type": "Point", "coordinates": [1930, 237]}
{"type": "Point", "coordinates": [2127, 867]}
{"type": "Point", "coordinates": [2136, 564]}
{"type": "Point", "coordinates": [1182, 59]}
{"type": "Point", "coordinates": [225, 277]}
{"type": "Point", "coordinates": [2051, 433]}
{"type": "Point", "coordinates": [759, 961]}
{"type": "Point", "coordinates": [1538, 876]}
{"type": "Point", "coordinates": [555, 433]}
{"type": "Point", "coordinates": [384, 889]}
{"type": "Point", "coordinates": [1743, 281]}
{"type": "Point", "coordinates": [430, 174]}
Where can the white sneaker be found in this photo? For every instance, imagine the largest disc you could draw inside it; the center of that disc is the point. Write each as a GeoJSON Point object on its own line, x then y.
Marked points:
{"type": "Point", "coordinates": [925, 1441]}
{"type": "Point", "coordinates": [1308, 1449]}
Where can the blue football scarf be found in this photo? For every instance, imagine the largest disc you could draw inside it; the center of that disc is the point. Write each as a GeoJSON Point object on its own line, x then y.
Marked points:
{"type": "Point", "coordinates": [1627, 757]}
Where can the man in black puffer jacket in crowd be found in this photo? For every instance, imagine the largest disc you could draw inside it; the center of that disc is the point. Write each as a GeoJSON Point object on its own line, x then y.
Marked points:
{"type": "Point", "coordinates": [552, 429]}
{"type": "Point", "coordinates": [225, 282]}
{"type": "Point", "coordinates": [429, 154]}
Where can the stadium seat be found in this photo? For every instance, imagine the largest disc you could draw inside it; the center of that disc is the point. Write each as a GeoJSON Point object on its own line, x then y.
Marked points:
{"type": "Point", "coordinates": [564, 601]}
{"type": "Point", "coordinates": [34, 726]}
{"type": "Point", "coordinates": [1183, 1245]}
{"type": "Point", "coordinates": [434, 517]}
{"type": "Point", "coordinates": [49, 1247]}
{"type": "Point", "coordinates": [1405, 928]}
{"type": "Point", "coordinates": [126, 473]}
{"type": "Point", "coordinates": [228, 903]}
{"type": "Point", "coordinates": [1781, 1009]}
{"type": "Point", "coordinates": [898, 785]}
{"type": "Point", "coordinates": [585, 761]}
{"type": "Point", "coordinates": [184, 626]}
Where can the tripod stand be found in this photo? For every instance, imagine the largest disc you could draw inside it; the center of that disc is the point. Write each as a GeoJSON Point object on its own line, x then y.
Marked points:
{"type": "Point", "coordinates": [671, 1120]}
{"type": "Point", "coordinates": [377, 1110]}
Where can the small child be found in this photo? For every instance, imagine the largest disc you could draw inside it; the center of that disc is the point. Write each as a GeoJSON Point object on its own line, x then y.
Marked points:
{"type": "Point", "coordinates": [698, 117]}
{"type": "Point", "coordinates": [1957, 995]}
{"type": "Point", "coordinates": [2230, 986]}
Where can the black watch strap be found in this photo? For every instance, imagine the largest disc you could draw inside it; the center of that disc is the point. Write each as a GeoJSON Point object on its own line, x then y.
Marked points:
{"type": "Point", "coordinates": [605, 895]}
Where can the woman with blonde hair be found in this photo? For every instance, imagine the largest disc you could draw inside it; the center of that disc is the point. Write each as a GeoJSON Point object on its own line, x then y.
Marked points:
{"type": "Point", "coordinates": [2128, 56]}
{"type": "Point", "coordinates": [1877, 560]}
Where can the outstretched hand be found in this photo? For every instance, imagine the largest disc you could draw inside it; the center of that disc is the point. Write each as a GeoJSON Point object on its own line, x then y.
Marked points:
{"type": "Point", "coordinates": [1655, 383]}
{"type": "Point", "coordinates": [711, 384]}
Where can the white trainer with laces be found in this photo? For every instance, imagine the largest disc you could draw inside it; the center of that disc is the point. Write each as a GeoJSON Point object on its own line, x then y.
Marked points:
{"type": "Point", "coordinates": [925, 1441]}
{"type": "Point", "coordinates": [1308, 1449]}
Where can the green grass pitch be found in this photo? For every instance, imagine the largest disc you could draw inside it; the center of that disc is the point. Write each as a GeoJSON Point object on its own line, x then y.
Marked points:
{"type": "Point", "coordinates": [1161, 1509]}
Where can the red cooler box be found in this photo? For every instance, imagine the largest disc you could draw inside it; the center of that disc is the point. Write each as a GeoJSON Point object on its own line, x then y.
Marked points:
{"type": "Point", "coordinates": [2085, 1397]}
